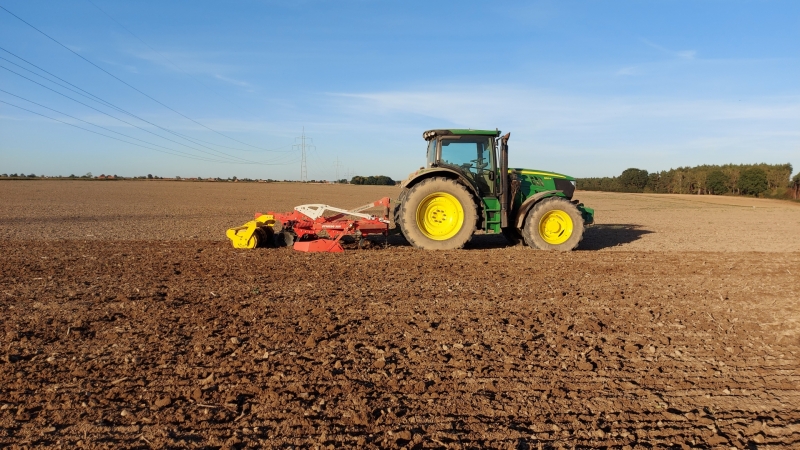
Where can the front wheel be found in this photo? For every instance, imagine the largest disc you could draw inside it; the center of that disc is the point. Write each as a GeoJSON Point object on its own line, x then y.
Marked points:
{"type": "Point", "coordinates": [553, 224]}
{"type": "Point", "coordinates": [438, 214]}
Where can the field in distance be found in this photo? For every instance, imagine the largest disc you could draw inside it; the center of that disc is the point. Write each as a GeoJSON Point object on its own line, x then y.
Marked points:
{"type": "Point", "coordinates": [174, 210]}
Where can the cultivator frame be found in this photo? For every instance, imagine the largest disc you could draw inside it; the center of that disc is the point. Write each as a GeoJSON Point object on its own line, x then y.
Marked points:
{"type": "Point", "coordinates": [307, 229]}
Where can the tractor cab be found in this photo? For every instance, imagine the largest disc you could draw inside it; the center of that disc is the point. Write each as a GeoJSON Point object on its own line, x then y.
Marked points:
{"type": "Point", "coordinates": [470, 153]}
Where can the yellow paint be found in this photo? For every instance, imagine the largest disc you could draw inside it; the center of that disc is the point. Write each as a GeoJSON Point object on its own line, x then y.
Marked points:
{"type": "Point", "coordinates": [440, 216]}
{"type": "Point", "coordinates": [536, 172]}
{"type": "Point", "coordinates": [555, 227]}
{"type": "Point", "coordinates": [244, 236]}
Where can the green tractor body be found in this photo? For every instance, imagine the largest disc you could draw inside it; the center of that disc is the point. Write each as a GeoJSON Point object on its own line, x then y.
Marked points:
{"type": "Point", "coordinates": [466, 185]}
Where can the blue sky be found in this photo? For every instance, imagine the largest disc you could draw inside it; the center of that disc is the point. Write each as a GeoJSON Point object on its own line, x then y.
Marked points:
{"type": "Point", "coordinates": [587, 88]}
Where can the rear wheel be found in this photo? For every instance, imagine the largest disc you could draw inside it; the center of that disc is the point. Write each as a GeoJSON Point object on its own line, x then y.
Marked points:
{"type": "Point", "coordinates": [553, 224]}
{"type": "Point", "coordinates": [396, 213]}
{"type": "Point", "coordinates": [438, 214]}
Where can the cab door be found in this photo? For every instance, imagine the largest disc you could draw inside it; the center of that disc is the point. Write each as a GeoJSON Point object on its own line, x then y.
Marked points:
{"type": "Point", "coordinates": [474, 157]}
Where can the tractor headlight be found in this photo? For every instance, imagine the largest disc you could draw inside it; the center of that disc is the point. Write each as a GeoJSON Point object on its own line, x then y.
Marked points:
{"type": "Point", "coordinates": [574, 183]}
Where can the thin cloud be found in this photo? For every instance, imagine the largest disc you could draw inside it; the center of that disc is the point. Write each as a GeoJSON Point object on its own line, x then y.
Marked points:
{"type": "Point", "coordinates": [680, 54]}
{"type": "Point", "coordinates": [233, 81]}
{"type": "Point", "coordinates": [546, 109]}
{"type": "Point", "coordinates": [629, 71]}
{"type": "Point", "coordinates": [186, 62]}
{"type": "Point", "coordinates": [653, 132]}
{"type": "Point", "coordinates": [125, 67]}
{"type": "Point", "coordinates": [75, 48]}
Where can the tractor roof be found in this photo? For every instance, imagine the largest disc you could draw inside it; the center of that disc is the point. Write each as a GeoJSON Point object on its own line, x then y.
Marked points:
{"type": "Point", "coordinates": [430, 134]}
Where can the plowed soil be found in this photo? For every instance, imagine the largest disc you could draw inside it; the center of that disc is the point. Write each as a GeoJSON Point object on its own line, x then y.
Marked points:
{"type": "Point", "coordinates": [128, 322]}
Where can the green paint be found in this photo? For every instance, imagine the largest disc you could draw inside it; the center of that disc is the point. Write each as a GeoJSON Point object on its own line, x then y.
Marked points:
{"type": "Point", "coordinates": [476, 132]}
{"type": "Point", "coordinates": [491, 214]}
{"type": "Point", "coordinates": [531, 182]}
{"type": "Point", "coordinates": [541, 173]}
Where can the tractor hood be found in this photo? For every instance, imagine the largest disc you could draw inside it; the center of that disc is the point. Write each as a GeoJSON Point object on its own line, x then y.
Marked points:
{"type": "Point", "coordinates": [534, 181]}
{"type": "Point", "coordinates": [541, 173]}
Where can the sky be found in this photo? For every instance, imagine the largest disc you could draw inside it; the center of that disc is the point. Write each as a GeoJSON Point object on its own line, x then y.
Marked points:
{"type": "Point", "coordinates": [222, 89]}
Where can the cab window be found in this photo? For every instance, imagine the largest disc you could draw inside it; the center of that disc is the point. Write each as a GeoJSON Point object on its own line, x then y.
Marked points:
{"type": "Point", "coordinates": [473, 156]}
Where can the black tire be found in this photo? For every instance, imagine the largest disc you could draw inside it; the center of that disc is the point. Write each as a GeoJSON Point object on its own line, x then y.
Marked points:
{"type": "Point", "coordinates": [531, 228]}
{"type": "Point", "coordinates": [264, 237]}
{"type": "Point", "coordinates": [422, 192]}
{"type": "Point", "coordinates": [396, 214]}
{"type": "Point", "coordinates": [513, 236]}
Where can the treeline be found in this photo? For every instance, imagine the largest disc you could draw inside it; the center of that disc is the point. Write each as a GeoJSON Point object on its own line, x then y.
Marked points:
{"type": "Point", "coordinates": [736, 179]}
{"type": "Point", "coordinates": [89, 176]}
{"type": "Point", "coordinates": [373, 180]}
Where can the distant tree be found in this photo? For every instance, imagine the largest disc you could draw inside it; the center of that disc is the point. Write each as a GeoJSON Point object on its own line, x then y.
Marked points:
{"type": "Point", "coordinates": [653, 182]}
{"type": "Point", "coordinates": [717, 182]}
{"type": "Point", "coordinates": [149, 176]}
{"type": "Point", "coordinates": [381, 180]}
{"type": "Point", "coordinates": [777, 174]}
{"type": "Point", "coordinates": [88, 175]}
{"type": "Point", "coordinates": [795, 186]}
{"type": "Point", "coordinates": [5, 175]}
{"type": "Point", "coordinates": [633, 180]}
{"type": "Point", "coordinates": [753, 181]}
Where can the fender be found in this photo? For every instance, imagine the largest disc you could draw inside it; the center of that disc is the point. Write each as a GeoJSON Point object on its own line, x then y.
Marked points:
{"type": "Point", "coordinates": [447, 173]}
{"type": "Point", "coordinates": [526, 206]}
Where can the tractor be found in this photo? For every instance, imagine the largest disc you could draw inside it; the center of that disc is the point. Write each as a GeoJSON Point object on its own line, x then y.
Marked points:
{"type": "Point", "coordinates": [466, 185]}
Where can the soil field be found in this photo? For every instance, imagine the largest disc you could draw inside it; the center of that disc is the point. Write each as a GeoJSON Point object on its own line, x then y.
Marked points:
{"type": "Point", "coordinates": [127, 321]}
{"type": "Point", "coordinates": [164, 210]}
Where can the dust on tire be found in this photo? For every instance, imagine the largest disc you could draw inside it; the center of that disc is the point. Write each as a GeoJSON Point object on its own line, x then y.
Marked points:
{"type": "Point", "coordinates": [416, 194]}
{"type": "Point", "coordinates": [530, 231]}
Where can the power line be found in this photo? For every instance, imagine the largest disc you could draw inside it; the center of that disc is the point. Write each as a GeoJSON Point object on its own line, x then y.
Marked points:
{"type": "Point", "coordinates": [98, 126]}
{"type": "Point", "coordinates": [170, 150]}
{"type": "Point", "coordinates": [84, 93]}
{"type": "Point", "coordinates": [101, 134]}
{"type": "Point", "coordinates": [230, 158]}
{"type": "Point", "coordinates": [171, 62]}
{"type": "Point", "coordinates": [123, 81]}
{"type": "Point", "coordinates": [126, 122]}
{"type": "Point", "coordinates": [302, 146]}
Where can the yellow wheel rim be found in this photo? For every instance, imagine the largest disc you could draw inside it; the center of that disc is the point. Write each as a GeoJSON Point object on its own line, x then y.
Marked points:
{"type": "Point", "coordinates": [555, 227]}
{"type": "Point", "coordinates": [440, 216]}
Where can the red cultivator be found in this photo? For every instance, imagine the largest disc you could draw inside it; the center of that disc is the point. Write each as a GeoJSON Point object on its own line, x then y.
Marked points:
{"type": "Point", "coordinates": [307, 229]}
